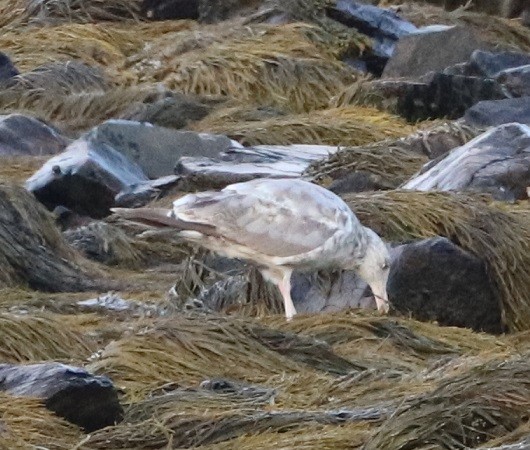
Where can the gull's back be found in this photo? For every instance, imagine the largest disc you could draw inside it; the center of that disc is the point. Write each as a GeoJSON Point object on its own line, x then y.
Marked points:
{"type": "Point", "coordinates": [285, 221]}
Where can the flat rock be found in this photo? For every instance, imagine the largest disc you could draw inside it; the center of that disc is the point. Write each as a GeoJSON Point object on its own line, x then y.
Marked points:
{"type": "Point", "coordinates": [435, 280]}
{"type": "Point", "coordinates": [24, 135]}
{"type": "Point", "coordinates": [384, 26]}
{"type": "Point", "coordinates": [154, 149]}
{"type": "Point", "coordinates": [89, 178]}
{"type": "Point", "coordinates": [496, 162]}
{"type": "Point", "coordinates": [431, 50]}
{"type": "Point", "coordinates": [247, 163]}
{"type": "Point", "coordinates": [498, 112]}
{"type": "Point", "coordinates": [84, 399]}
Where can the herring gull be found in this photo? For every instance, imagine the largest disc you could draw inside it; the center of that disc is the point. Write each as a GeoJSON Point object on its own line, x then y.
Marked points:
{"type": "Point", "coordinates": [281, 225]}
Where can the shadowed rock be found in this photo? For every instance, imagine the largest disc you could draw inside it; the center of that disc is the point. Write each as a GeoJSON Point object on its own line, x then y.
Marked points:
{"type": "Point", "coordinates": [23, 135]}
{"type": "Point", "coordinates": [87, 400]}
{"type": "Point", "coordinates": [434, 279]}
{"type": "Point", "coordinates": [89, 178]}
{"type": "Point", "coordinates": [496, 162]}
{"type": "Point", "coordinates": [7, 69]}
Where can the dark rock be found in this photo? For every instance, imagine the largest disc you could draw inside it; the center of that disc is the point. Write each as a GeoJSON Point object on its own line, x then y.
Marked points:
{"type": "Point", "coordinates": [431, 50]}
{"type": "Point", "coordinates": [436, 280]}
{"type": "Point", "coordinates": [445, 96]}
{"type": "Point", "coordinates": [7, 68]}
{"type": "Point", "coordinates": [156, 150]}
{"type": "Point", "coordinates": [516, 81]}
{"type": "Point", "coordinates": [246, 163]}
{"type": "Point", "coordinates": [23, 135]}
{"type": "Point", "coordinates": [174, 111]}
{"type": "Point", "coordinates": [489, 64]}
{"type": "Point", "coordinates": [170, 9]}
{"type": "Point", "coordinates": [89, 178]}
{"type": "Point", "coordinates": [84, 399]}
{"type": "Point", "coordinates": [498, 112]}
{"type": "Point", "coordinates": [496, 162]}
{"type": "Point", "coordinates": [383, 25]}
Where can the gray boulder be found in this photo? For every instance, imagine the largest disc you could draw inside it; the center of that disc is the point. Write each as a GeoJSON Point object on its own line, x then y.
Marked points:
{"type": "Point", "coordinates": [496, 162]}
{"type": "Point", "coordinates": [154, 149]}
{"type": "Point", "coordinates": [89, 178]}
{"type": "Point", "coordinates": [497, 112]}
{"type": "Point", "coordinates": [431, 50]}
{"type": "Point", "coordinates": [436, 280]}
{"type": "Point", "coordinates": [84, 399]}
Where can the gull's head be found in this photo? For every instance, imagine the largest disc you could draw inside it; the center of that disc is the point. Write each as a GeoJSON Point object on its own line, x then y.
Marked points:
{"type": "Point", "coordinates": [374, 268]}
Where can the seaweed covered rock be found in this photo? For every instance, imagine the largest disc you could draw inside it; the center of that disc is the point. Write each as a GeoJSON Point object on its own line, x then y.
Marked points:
{"type": "Point", "coordinates": [496, 162]}
{"type": "Point", "coordinates": [73, 393]}
{"type": "Point", "coordinates": [434, 279]}
{"type": "Point", "coordinates": [32, 250]}
{"type": "Point", "coordinates": [24, 135]}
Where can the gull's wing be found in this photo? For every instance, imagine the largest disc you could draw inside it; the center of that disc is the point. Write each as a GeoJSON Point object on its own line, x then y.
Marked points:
{"type": "Point", "coordinates": [281, 218]}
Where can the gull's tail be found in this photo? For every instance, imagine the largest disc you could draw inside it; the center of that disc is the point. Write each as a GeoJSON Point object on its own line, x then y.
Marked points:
{"type": "Point", "coordinates": [155, 217]}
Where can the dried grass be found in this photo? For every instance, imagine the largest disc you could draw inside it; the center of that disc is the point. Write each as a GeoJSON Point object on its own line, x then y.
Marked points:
{"type": "Point", "coordinates": [39, 338]}
{"type": "Point", "coordinates": [26, 423]}
{"type": "Point", "coordinates": [341, 126]}
{"type": "Point", "coordinates": [272, 65]}
{"type": "Point", "coordinates": [15, 13]}
{"type": "Point", "coordinates": [500, 238]}
{"type": "Point", "coordinates": [464, 411]}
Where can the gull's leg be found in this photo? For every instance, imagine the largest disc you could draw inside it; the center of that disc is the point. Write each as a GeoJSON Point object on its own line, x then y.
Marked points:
{"type": "Point", "coordinates": [285, 289]}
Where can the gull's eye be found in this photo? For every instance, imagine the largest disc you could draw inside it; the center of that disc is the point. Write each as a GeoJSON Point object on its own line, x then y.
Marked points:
{"type": "Point", "coordinates": [385, 266]}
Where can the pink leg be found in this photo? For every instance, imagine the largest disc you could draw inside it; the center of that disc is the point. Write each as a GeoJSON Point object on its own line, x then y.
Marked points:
{"type": "Point", "coordinates": [285, 290]}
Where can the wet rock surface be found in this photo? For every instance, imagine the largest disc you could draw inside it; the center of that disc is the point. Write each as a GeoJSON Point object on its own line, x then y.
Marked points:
{"type": "Point", "coordinates": [84, 399]}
